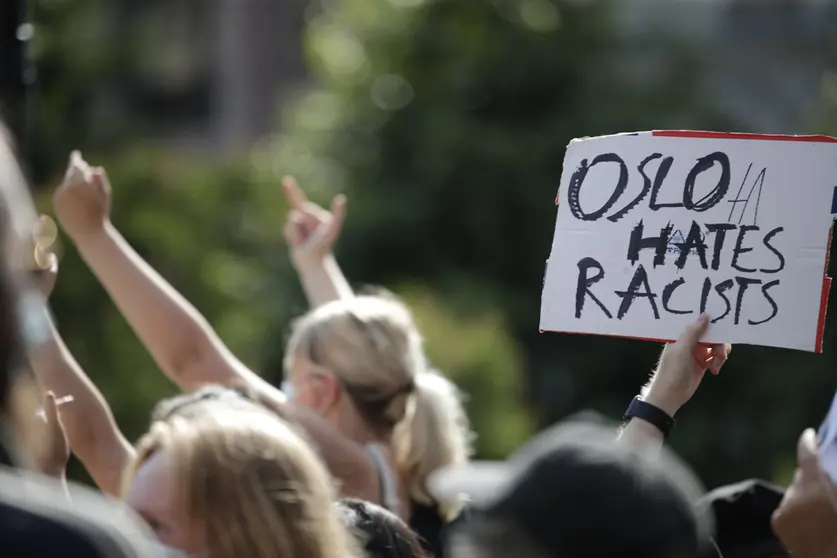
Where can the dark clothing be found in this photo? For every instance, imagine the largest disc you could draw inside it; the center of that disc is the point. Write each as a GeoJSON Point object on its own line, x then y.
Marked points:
{"type": "Point", "coordinates": [743, 513]}
{"type": "Point", "coordinates": [38, 520]}
{"type": "Point", "coordinates": [429, 525]}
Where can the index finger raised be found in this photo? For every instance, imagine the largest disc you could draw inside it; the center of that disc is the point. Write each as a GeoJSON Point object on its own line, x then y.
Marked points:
{"type": "Point", "coordinates": [293, 193]}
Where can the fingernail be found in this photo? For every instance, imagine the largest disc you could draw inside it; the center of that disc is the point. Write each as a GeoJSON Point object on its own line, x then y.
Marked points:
{"type": "Point", "coordinates": [703, 317]}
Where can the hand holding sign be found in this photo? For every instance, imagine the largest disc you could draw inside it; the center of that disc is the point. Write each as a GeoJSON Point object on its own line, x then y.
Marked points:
{"type": "Point", "coordinates": [682, 367]}
{"type": "Point", "coordinates": [310, 230]}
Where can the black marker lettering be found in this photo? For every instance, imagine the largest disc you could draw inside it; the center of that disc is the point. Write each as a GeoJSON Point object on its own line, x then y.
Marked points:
{"type": "Point", "coordinates": [640, 279]}
{"type": "Point", "coordinates": [721, 288]}
{"type": "Point", "coordinates": [704, 294]}
{"type": "Point", "coordinates": [658, 243]}
{"type": "Point", "coordinates": [738, 199]}
{"type": "Point", "coordinates": [645, 189]}
{"type": "Point", "coordinates": [718, 192]}
{"type": "Point", "coordinates": [668, 291]}
{"type": "Point", "coordinates": [577, 180]}
{"type": "Point", "coordinates": [764, 288]}
{"type": "Point", "coordinates": [738, 250]}
{"type": "Point", "coordinates": [584, 283]}
{"type": "Point", "coordinates": [759, 181]}
{"type": "Point", "coordinates": [773, 249]}
{"type": "Point", "coordinates": [720, 230]}
{"type": "Point", "coordinates": [693, 241]}
{"type": "Point", "coordinates": [662, 172]}
{"type": "Point", "coordinates": [743, 283]}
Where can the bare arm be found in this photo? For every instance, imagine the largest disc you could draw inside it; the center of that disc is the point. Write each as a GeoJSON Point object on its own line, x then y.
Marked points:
{"type": "Point", "coordinates": [88, 422]}
{"type": "Point", "coordinates": [681, 369]}
{"type": "Point", "coordinates": [323, 281]}
{"type": "Point", "coordinates": [182, 343]}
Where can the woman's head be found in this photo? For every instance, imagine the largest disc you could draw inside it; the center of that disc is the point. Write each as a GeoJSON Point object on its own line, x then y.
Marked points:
{"type": "Point", "coordinates": [381, 533]}
{"type": "Point", "coordinates": [365, 354]}
{"type": "Point", "coordinates": [235, 482]}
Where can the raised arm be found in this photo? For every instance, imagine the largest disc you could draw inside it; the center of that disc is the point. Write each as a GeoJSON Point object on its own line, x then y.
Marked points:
{"type": "Point", "coordinates": [681, 369]}
{"type": "Point", "coordinates": [311, 232]}
{"type": "Point", "coordinates": [179, 339]}
{"type": "Point", "coordinates": [87, 421]}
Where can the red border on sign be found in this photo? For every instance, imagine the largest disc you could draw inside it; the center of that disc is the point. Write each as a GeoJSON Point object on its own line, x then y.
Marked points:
{"type": "Point", "coordinates": [740, 136]}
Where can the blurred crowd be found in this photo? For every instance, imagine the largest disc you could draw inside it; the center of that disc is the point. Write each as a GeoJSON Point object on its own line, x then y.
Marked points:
{"type": "Point", "coordinates": [365, 449]}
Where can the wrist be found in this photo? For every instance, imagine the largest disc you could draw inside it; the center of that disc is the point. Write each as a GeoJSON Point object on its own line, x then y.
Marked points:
{"type": "Point", "coordinates": [311, 263]}
{"type": "Point", "coordinates": [662, 400]}
{"type": "Point", "coordinates": [91, 234]}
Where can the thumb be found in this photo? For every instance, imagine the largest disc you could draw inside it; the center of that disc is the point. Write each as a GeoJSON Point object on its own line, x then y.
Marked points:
{"type": "Point", "coordinates": [692, 334]}
{"type": "Point", "coordinates": [807, 454]}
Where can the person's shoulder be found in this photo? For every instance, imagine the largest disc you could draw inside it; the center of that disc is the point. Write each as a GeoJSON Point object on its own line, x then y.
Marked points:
{"type": "Point", "coordinates": [38, 519]}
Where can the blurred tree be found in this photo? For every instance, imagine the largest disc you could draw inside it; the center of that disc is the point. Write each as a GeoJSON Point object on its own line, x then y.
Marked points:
{"type": "Point", "coordinates": [211, 227]}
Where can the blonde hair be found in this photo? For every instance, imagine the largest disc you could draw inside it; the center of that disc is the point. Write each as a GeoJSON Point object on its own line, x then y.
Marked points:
{"type": "Point", "coordinates": [372, 346]}
{"type": "Point", "coordinates": [250, 485]}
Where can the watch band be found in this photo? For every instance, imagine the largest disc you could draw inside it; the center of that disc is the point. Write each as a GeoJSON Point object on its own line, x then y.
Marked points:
{"type": "Point", "coordinates": [651, 414]}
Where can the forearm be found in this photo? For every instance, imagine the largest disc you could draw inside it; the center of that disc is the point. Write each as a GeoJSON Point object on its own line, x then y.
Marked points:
{"type": "Point", "coordinates": [323, 281]}
{"type": "Point", "coordinates": [88, 422]}
{"type": "Point", "coordinates": [173, 331]}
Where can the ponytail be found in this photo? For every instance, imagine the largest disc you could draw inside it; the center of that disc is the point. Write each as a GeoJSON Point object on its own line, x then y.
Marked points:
{"type": "Point", "coordinates": [433, 435]}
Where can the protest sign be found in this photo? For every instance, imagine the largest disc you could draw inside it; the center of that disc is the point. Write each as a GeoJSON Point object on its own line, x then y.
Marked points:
{"type": "Point", "coordinates": [655, 228]}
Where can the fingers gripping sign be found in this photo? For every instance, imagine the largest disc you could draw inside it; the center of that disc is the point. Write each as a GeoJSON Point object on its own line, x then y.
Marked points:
{"type": "Point", "coordinates": [310, 230]}
{"type": "Point", "coordinates": [682, 367]}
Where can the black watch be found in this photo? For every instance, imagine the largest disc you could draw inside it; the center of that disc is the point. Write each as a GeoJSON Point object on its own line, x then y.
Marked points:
{"type": "Point", "coordinates": [651, 414]}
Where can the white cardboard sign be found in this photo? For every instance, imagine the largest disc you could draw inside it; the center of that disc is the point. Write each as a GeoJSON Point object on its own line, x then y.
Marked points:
{"type": "Point", "coordinates": [654, 228]}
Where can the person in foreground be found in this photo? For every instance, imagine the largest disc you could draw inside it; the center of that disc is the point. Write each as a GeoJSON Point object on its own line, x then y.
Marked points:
{"type": "Point", "coordinates": [224, 477]}
{"type": "Point", "coordinates": [575, 492]}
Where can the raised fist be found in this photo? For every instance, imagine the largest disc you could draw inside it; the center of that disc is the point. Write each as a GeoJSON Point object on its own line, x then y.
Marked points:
{"type": "Point", "coordinates": [82, 202]}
